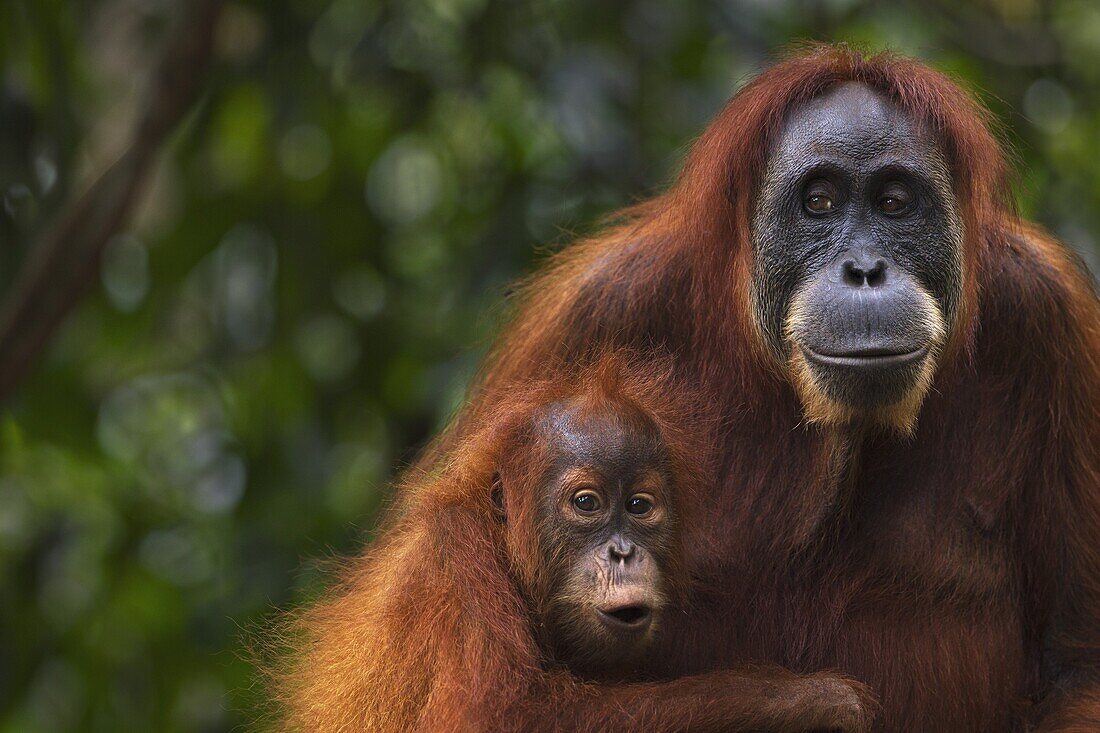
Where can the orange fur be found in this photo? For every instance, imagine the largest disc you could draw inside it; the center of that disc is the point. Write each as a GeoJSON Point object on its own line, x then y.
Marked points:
{"type": "Point", "coordinates": [431, 630]}
{"type": "Point", "coordinates": [956, 571]}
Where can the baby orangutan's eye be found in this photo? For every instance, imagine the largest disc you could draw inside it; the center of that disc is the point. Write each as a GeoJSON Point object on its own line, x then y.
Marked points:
{"type": "Point", "coordinates": [586, 501]}
{"type": "Point", "coordinates": [639, 505]}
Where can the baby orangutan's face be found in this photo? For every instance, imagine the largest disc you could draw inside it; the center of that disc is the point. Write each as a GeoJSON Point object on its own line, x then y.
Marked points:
{"type": "Point", "coordinates": [608, 529]}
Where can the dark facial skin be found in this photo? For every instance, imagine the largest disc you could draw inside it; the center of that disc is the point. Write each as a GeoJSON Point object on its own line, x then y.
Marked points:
{"type": "Point", "coordinates": [857, 249]}
{"type": "Point", "coordinates": [605, 514]}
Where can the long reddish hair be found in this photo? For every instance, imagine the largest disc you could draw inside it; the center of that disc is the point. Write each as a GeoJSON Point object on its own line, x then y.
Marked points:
{"type": "Point", "coordinates": [727, 163]}
{"type": "Point", "coordinates": [427, 625]}
{"type": "Point", "coordinates": [691, 246]}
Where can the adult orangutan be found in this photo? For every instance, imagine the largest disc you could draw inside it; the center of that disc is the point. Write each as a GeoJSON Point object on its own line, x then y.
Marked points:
{"type": "Point", "coordinates": [907, 482]}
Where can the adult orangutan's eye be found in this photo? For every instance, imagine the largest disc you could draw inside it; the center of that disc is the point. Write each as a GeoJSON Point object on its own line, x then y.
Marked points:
{"type": "Point", "coordinates": [819, 203]}
{"type": "Point", "coordinates": [819, 197]}
{"type": "Point", "coordinates": [895, 199]}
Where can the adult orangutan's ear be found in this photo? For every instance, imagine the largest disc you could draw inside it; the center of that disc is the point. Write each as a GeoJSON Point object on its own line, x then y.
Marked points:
{"type": "Point", "coordinates": [496, 494]}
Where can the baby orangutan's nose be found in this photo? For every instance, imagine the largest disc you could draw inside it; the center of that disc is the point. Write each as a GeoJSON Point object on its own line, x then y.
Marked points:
{"type": "Point", "coordinates": [620, 550]}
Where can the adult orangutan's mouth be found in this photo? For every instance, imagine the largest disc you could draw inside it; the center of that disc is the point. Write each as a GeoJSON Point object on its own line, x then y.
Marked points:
{"type": "Point", "coordinates": [870, 358]}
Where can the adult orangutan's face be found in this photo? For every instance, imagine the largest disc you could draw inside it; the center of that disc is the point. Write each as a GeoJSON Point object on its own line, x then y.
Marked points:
{"type": "Point", "coordinates": [857, 257]}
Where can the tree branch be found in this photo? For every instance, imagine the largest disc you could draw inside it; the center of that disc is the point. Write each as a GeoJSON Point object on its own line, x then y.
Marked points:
{"type": "Point", "coordinates": [60, 268]}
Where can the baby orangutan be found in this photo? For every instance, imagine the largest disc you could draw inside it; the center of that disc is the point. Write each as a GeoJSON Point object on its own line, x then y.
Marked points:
{"type": "Point", "coordinates": [523, 586]}
{"type": "Point", "coordinates": [606, 533]}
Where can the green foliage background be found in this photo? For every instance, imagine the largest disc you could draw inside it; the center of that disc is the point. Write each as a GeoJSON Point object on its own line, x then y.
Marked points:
{"type": "Point", "coordinates": [319, 263]}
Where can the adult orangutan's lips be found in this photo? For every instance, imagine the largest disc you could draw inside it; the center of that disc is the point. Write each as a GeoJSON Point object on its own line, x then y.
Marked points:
{"type": "Point", "coordinates": [870, 358]}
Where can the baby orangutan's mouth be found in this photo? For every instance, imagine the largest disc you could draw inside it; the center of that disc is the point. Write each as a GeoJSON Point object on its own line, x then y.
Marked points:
{"type": "Point", "coordinates": [632, 617]}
